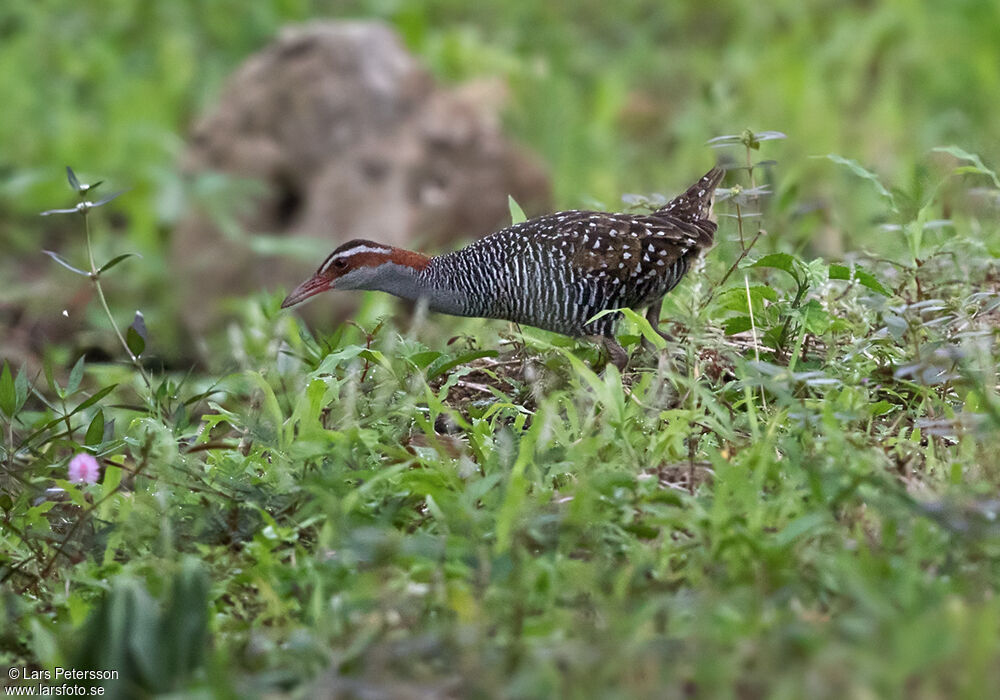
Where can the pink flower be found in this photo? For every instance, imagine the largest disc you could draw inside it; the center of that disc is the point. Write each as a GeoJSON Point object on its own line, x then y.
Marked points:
{"type": "Point", "coordinates": [83, 469]}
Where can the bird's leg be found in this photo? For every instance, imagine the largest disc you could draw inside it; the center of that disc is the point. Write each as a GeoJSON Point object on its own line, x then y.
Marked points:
{"type": "Point", "coordinates": [616, 353]}
{"type": "Point", "coordinates": [520, 346]}
{"type": "Point", "coordinates": [653, 316]}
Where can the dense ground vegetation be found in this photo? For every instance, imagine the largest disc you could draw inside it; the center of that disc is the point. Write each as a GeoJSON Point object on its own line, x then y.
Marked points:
{"type": "Point", "coordinates": [797, 496]}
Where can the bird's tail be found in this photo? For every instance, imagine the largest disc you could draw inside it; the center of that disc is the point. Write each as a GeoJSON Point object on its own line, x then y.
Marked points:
{"type": "Point", "coordinates": [695, 204]}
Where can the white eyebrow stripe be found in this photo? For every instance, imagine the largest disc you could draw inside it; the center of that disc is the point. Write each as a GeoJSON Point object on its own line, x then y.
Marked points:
{"type": "Point", "coordinates": [353, 251]}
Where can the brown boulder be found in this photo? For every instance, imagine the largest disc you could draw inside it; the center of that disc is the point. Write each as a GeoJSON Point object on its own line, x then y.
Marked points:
{"type": "Point", "coordinates": [351, 138]}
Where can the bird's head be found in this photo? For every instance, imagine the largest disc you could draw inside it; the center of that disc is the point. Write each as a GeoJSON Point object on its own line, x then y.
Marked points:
{"type": "Point", "coordinates": [357, 264]}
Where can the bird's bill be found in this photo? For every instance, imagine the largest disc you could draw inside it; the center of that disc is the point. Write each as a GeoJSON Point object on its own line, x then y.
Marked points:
{"type": "Point", "coordinates": [311, 287]}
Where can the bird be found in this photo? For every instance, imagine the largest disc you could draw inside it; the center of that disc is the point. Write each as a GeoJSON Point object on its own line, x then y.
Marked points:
{"type": "Point", "coordinates": [554, 272]}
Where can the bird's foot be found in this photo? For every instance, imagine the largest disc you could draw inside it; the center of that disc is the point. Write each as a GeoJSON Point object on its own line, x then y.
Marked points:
{"type": "Point", "coordinates": [616, 353]}
{"type": "Point", "coordinates": [653, 316]}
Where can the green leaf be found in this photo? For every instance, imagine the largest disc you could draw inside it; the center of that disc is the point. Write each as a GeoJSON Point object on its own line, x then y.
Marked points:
{"type": "Point", "coordinates": [136, 335]}
{"type": "Point", "coordinates": [516, 213]}
{"type": "Point", "coordinates": [803, 526]}
{"type": "Point", "coordinates": [739, 324]}
{"type": "Point", "coordinates": [112, 477]}
{"type": "Point", "coordinates": [839, 272]}
{"type": "Point", "coordinates": [425, 358]}
{"type": "Point", "coordinates": [105, 200]}
{"type": "Point", "coordinates": [95, 432]}
{"type": "Point", "coordinates": [134, 341]}
{"type": "Point", "coordinates": [646, 328]}
{"type": "Point", "coordinates": [735, 298]}
{"type": "Point", "coordinates": [816, 272]}
{"type": "Point", "coordinates": [21, 388]}
{"type": "Point", "coordinates": [8, 394]}
{"type": "Point", "coordinates": [62, 261]}
{"type": "Point", "coordinates": [83, 405]}
{"type": "Point", "coordinates": [50, 378]}
{"type": "Point", "coordinates": [510, 513]}
{"type": "Point", "coordinates": [864, 173]}
{"type": "Point", "coordinates": [814, 318]}
{"type": "Point", "coordinates": [444, 364]}
{"type": "Point", "coordinates": [880, 408]}
{"type": "Point", "coordinates": [114, 261]}
{"type": "Point", "coordinates": [73, 181]}
{"type": "Point", "coordinates": [75, 377]}
{"type": "Point", "coordinates": [94, 399]}
{"type": "Point", "coordinates": [977, 162]}
{"type": "Point", "coordinates": [376, 357]}
{"type": "Point", "coordinates": [864, 278]}
{"type": "Point", "coordinates": [779, 261]}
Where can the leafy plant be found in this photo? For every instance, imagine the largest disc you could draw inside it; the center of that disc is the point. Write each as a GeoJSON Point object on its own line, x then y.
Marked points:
{"type": "Point", "coordinates": [135, 343]}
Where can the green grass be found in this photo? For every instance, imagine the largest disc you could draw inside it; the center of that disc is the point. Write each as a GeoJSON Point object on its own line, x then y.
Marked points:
{"type": "Point", "coordinates": [376, 510]}
{"type": "Point", "coordinates": [797, 497]}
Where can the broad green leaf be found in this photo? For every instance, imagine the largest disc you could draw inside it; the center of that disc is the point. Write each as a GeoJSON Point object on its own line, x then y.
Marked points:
{"type": "Point", "coordinates": [735, 298]}
{"type": "Point", "coordinates": [516, 213]}
{"type": "Point", "coordinates": [880, 408]}
{"type": "Point", "coordinates": [377, 357]}
{"type": "Point", "coordinates": [839, 272]}
{"type": "Point", "coordinates": [647, 330]}
{"type": "Point", "coordinates": [814, 318]}
{"type": "Point", "coordinates": [739, 324]}
{"type": "Point", "coordinates": [425, 358]}
{"type": "Point", "coordinates": [136, 336]}
{"type": "Point", "coordinates": [139, 323]}
{"type": "Point", "coordinates": [864, 278]}
{"type": "Point", "coordinates": [95, 432]}
{"type": "Point", "coordinates": [75, 377]}
{"type": "Point", "coordinates": [135, 342]}
{"type": "Point", "coordinates": [779, 261]}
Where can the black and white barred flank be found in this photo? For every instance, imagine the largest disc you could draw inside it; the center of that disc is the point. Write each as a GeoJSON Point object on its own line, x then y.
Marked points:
{"type": "Point", "coordinates": [558, 271]}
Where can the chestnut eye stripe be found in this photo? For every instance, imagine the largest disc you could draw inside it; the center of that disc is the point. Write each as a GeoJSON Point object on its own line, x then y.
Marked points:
{"type": "Point", "coordinates": [342, 254]}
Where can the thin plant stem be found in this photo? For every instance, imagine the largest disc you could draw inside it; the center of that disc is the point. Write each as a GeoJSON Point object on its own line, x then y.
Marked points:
{"type": "Point", "coordinates": [744, 246]}
{"type": "Point", "coordinates": [739, 226]}
{"type": "Point", "coordinates": [732, 268]}
{"type": "Point", "coordinates": [753, 329]}
{"type": "Point", "coordinates": [95, 278]}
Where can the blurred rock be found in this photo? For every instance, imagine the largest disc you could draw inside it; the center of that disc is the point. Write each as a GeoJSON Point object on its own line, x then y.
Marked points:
{"type": "Point", "coordinates": [352, 138]}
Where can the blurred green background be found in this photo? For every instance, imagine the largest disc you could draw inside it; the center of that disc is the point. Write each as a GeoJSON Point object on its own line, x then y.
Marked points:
{"type": "Point", "coordinates": [615, 97]}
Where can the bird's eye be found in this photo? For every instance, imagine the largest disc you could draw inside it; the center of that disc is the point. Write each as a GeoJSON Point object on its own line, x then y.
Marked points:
{"type": "Point", "coordinates": [340, 264]}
